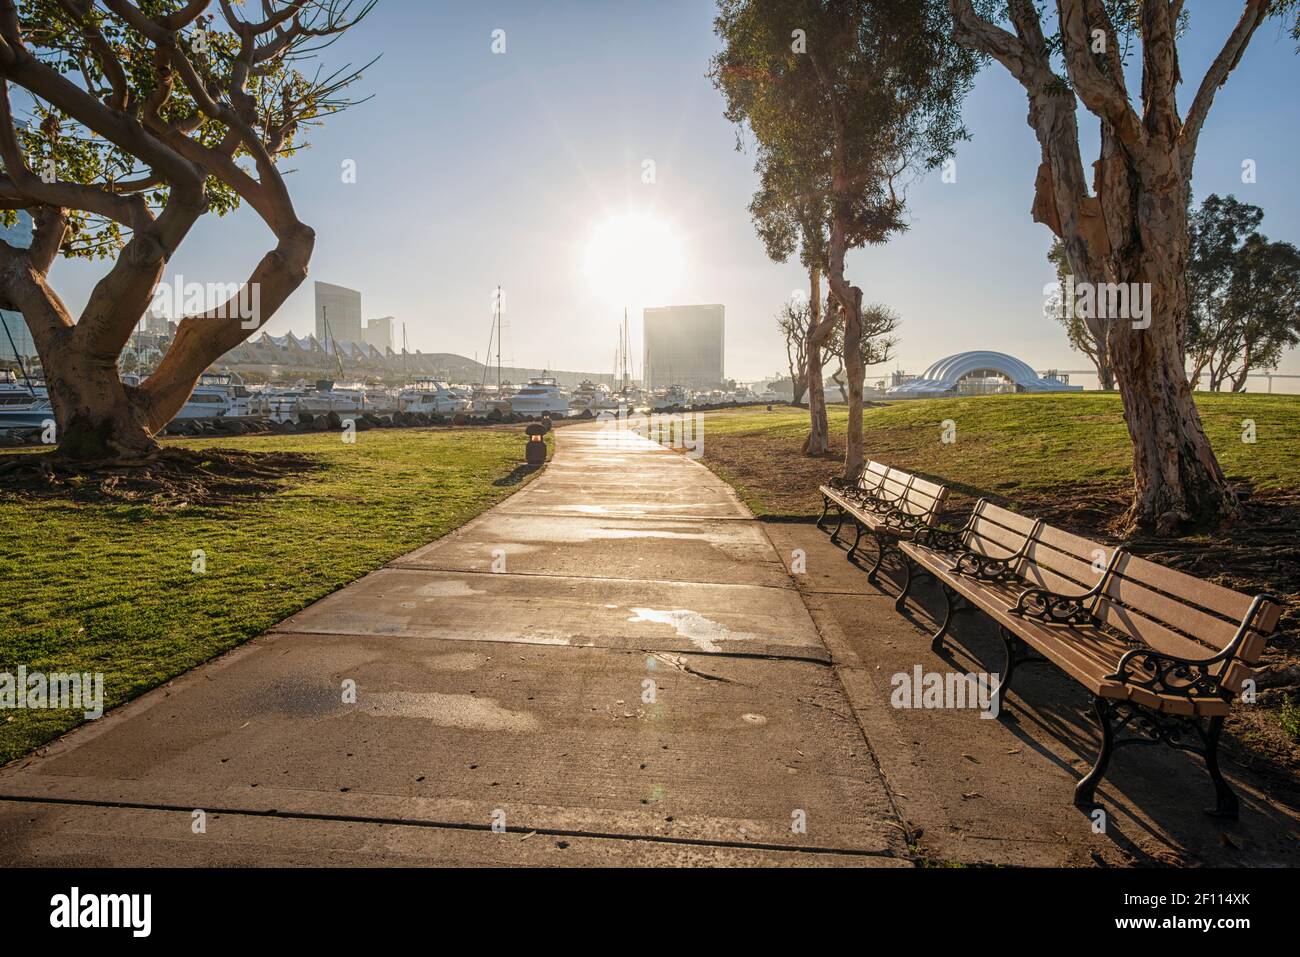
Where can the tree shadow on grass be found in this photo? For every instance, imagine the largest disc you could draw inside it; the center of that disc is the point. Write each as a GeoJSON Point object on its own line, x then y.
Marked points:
{"type": "Point", "coordinates": [168, 479]}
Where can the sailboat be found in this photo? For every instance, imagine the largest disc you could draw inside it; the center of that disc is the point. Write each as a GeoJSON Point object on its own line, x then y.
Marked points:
{"type": "Point", "coordinates": [486, 398]}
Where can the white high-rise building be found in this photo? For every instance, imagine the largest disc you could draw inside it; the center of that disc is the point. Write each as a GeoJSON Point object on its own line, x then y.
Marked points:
{"type": "Point", "coordinates": [338, 314]}
{"type": "Point", "coordinates": [379, 333]}
{"type": "Point", "coordinates": [683, 346]}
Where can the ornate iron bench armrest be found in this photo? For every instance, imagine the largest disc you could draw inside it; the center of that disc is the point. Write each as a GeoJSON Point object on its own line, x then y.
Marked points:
{"type": "Point", "coordinates": [1053, 608]}
{"type": "Point", "coordinates": [938, 539]}
{"type": "Point", "coordinates": [901, 523]}
{"type": "Point", "coordinates": [986, 568]}
{"type": "Point", "coordinates": [870, 502]}
{"type": "Point", "coordinates": [1160, 673]}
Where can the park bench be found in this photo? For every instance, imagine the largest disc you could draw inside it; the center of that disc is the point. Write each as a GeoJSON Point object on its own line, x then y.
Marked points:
{"type": "Point", "coordinates": [1161, 652]}
{"type": "Point", "coordinates": [889, 503]}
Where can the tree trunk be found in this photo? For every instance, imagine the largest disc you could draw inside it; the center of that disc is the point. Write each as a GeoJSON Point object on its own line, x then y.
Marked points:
{"type": "Point", "coordinates": [818, 427]}
{"type": "Point", "coordinates": [1136, 224]}
{"type": "Point", "coordinates": [96, 416]}
{"type": "Point", "coordinates": [850, 299]}
{"type": "Point", "coordinates": [1105, 375]}
{"type": "Point", "coordinates": [856, 372]}
{"type": "Point", "coordinates": [819, 330]}
{"type": "Point", "coordinates": [798, 386]}
{"type": "Point", "coordinates": [1178, 483]}
{"type": "Point", "coordinates": [798, 365]}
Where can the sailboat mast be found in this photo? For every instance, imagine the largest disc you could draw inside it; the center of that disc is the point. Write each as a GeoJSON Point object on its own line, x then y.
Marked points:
{"type": "Point", "coordinates": [625, 343]}
{"type": "Point", "coordinates": [22, 367]}
{"type": "Point", "coordinates": [329, 334]}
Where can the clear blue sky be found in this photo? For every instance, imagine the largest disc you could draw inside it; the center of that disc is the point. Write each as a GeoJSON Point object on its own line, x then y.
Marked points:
{"type": "Point", "coordinates": [476, 168]}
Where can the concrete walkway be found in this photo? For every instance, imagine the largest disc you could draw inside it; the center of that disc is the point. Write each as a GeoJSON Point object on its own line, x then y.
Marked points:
{"type": "Point", "coordinates": [613, 665]}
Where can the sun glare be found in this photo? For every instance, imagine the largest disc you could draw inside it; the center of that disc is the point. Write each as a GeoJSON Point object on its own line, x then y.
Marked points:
{"type": "Point", "coordinates": [634, 259]}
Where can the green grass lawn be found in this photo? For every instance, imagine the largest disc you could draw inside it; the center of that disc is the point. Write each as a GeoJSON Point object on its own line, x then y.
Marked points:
{"type": "Point", "coordinates": [109, 588]}
{"type": "Point", "coordinates": [1004, 444]}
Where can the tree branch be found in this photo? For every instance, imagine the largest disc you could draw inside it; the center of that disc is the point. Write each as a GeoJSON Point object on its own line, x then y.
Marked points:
{"type": "Point", "coordinates": [1100, 94]}
{"type": "Point", "coordinates": [1252, 15]}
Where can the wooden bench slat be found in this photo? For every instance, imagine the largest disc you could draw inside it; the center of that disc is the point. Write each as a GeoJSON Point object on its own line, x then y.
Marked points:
{"type": "Point", "coordinates": [1086, 653]}
{"type": "Point", "coordinates": [1268, 618]}
{"type": "Point", "coordinates": [1089, 655]}
{"type": "Point", "coordinates": [1207, 629]}
{"type": "Point", "coordinates": [1012, 521]}
{"type": "Point", "coordinates": [1235, 675]}
{"type": "Point", "coordinates": [1223, 601]}
{"type": "Point", "coordinates": [1070, 544]}
{"type": "Point", "coordinates": [1151, 632]}
{"type": "Point", "coordinates": [983, 530]}
{"type": "Point", "coordinates": [1081, 573]}
{"type": "Point", "coordinates": [1252, 647]}
{"type": "Point", "coordinates": [1037, 575]}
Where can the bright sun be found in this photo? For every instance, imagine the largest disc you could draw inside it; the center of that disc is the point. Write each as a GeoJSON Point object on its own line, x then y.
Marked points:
{"type": "Point", "coordinates": [634, 259]}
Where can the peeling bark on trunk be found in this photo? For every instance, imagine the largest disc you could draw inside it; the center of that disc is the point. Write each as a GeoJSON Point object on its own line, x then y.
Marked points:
{"type": "Point", "coordinates": [1135, 228]}
{"type": "Point", "coordinates": [850, 299]}
{"type": "Point", "coordinates": [1178, 483]}
{"type": "Point", "coordinates": [819, 330]}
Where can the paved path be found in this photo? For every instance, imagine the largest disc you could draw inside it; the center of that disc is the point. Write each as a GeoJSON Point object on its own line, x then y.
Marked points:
{"type": "Point", "coordinates": [613, 664]}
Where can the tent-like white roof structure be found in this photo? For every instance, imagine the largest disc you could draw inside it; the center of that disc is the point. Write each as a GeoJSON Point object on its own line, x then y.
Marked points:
{"type": "Point", "coordinates": [942, 377]}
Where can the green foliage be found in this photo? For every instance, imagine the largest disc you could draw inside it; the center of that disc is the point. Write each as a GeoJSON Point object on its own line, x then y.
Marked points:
{"type": "Point", "coordinates": [1243, 291]}
{"type": "Point", "coordinates": [59, 146]}
{"type": "Point", "coordinates": [1289, 716]}
{"type": "Point", "coordinates": [881, 78]}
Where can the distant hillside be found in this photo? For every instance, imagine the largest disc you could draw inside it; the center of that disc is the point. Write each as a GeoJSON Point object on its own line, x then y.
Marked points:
{"type": "Point", "coordinates": [290, 357]}
{"type": "Point", "coordinates": [460, 369]}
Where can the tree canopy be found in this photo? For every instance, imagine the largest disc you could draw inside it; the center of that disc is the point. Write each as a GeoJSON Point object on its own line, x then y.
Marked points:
{"type": "Point", "coordinates": [121, 124]}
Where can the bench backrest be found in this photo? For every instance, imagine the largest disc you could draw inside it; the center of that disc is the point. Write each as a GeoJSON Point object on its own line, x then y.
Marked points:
{"type": "Point", "coordinates": [893, 487]}
{"type": "Point", "coordinates": [995, 532]}
{"type": "Point", "coordinates": [1188, 617]}
{"type": "Point", "coordinates": [922, 499]}
{"type": "Point", "coordinates": [873, 474]}
{"type": "Point", "coordinates": [1065, 563]}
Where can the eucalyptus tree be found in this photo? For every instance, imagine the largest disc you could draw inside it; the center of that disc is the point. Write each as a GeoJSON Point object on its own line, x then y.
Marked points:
{"type": "Point", "coordinates": [121, 124]}
{"type": "Point", "coordinates": [1244, 293]}
{"type": "Point", "coordinates": [1081, 332]}
{"type": "Point", "coordinates": [792, 321]}
{"type": "Point", "coordinates": [858, 95]}
{"type": "Point", "coordinates": [790, 211]}
{"type": "Point", "coordinates": [1128, 234]}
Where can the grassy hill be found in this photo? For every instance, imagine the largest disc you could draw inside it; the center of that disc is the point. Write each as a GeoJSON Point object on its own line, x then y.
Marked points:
{"type": "Point", "coordinates": [1006, 446]}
